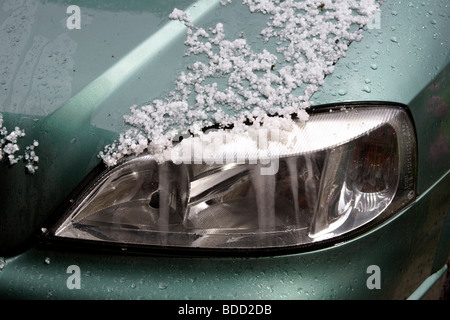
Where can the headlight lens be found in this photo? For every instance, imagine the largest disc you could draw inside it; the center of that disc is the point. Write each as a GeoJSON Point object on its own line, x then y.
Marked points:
{"type": "Point", "coordinates": [331, 175]}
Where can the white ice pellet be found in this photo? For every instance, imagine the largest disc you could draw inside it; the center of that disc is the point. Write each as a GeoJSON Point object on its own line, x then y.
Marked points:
{"type": "Point", "coordinates": [178, 14]}
{"type": "Point", "coordinates": [9, 148]}
{"type": "Point", "coordinates": [311, 36]}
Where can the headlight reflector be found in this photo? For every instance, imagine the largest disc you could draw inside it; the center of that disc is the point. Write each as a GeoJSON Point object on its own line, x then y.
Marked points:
{"type": "Point", "coordinates": [335, 173]}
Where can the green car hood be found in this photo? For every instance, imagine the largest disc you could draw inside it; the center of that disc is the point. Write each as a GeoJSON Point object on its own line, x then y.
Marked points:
{"type": "Point", "coordinates": [69, 88]}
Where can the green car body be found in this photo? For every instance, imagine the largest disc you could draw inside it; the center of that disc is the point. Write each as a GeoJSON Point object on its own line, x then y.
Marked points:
{"type": "Point", "coordinates": [127, 52]}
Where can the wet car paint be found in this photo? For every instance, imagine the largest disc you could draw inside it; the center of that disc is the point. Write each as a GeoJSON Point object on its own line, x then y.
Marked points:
{"type": "Point", "coordinates": [392, 64]}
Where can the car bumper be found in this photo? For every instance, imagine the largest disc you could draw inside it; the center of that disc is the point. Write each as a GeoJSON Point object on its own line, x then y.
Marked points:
{"type": "Point", "coordinates": [404, 249]}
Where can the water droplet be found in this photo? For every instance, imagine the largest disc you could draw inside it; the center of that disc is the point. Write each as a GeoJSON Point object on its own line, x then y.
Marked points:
{"type": "Point", "coordinates": [394, 39]}
{"type": "Point", "coordinates": [367, 89]}
{"type": "Point", "coordinates": [342, 92]}
{"type": "Point", "coordinates": [47, 260]}
{"type": "Point", "coordinates": [192, 280]}
{"type": "Point", "coordinates": [162, 286]}
{"type": "Point", "coordinates": [74, 140]}
{"type": "Point", "coordinates": [374, 66]}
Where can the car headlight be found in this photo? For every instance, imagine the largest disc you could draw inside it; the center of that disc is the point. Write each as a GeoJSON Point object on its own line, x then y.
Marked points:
{"type": "Point", "coordinates": [334, 174]}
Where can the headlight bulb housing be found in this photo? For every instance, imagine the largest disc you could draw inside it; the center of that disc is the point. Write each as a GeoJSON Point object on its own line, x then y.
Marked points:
{"type": "Point", "coordinates": [335, 173]}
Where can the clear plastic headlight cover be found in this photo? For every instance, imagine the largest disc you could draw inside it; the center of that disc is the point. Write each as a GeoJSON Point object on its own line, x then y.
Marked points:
{"type": "Point", "coordinates": [331, 175]}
